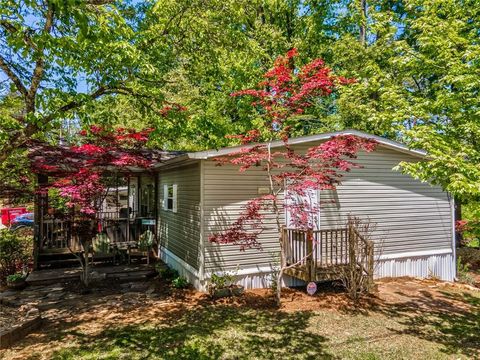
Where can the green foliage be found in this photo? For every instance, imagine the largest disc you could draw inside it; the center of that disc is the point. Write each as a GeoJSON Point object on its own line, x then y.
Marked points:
{"type": "Point", "coordinates": [471, 229]}
{"type": "Point", "coordinates": [180, 283]}
{"type": "Point", "coordinates": [15, 252]}
{"type": "Point", "coordinates": [120, 62]}
{"type": "Point", "coordinates": [221, 281]}
{"type": "Point", "coordinates": [167, 273]}
{"type": "Point", "coordinates": [101, 244]}
{"type": "Point", "coordinates": [15, 278]}
{"type": "Point", "coordinates": [470, 257]}
{"type": "Point", "coordinates": [463, 272]}
{"type": "Point", "coordinates": [145, 241]}
{"type": "Point", "coordinates": [57, 202]}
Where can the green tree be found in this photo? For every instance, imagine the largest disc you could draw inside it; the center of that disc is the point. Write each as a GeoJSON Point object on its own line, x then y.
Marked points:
{"type": "Point", "coordinates": [62, 55]}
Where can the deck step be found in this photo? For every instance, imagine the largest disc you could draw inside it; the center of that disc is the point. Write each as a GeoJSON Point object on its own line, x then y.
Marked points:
{"type": "Point", "coordinates": [51, 264]}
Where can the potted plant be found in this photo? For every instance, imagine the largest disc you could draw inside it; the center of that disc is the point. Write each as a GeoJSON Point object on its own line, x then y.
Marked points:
{"type": "Point", "coordinates": [16, 281]}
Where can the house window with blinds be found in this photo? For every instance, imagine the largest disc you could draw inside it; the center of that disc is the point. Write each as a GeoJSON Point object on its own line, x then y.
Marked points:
{"type": "Point", "coordinates": [170, 197]}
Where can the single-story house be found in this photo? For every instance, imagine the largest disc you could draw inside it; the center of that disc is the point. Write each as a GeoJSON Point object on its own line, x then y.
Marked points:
{"type": "Point", "coordinates": [414, 233]}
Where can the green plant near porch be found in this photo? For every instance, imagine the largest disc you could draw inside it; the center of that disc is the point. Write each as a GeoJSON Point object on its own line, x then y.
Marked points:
{"type": "Point", "coordinates": [15, 252]}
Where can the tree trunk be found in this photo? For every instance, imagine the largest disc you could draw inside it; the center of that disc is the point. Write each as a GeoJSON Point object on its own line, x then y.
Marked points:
{"type": "Point", "coordinates": [363, 21]}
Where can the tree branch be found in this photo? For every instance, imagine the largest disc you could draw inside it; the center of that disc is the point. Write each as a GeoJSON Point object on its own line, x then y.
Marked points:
{"type": "Point", "coordinates": [13, 77]}
{"type": "Point", "coordinates": [40, 64]}
{"type": "Point", "coordinates": [75, 104]}
{"type": "Point", "coordinates": [12, 29]}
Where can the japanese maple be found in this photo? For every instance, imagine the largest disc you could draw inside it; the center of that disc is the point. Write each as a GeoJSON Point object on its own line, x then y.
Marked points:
{"type": "Point", "coordinates": [78, 170]}
{"type": "Point", "coordinates": [284, 93]}
{"type": "Point", "coordinates": [79, 174]}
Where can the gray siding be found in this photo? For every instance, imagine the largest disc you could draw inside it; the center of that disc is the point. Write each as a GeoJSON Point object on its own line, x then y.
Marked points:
{"type": "Point", "coordinates": [180, 232]}
{"type": "Point", "coordinates": [410, 215]}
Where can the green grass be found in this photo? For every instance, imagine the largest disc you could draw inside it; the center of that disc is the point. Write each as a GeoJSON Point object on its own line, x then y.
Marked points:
{"type": "Point", "coordinates": [225, 332]}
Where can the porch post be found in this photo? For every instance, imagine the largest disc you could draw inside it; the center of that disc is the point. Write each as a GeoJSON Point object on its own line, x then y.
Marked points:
{"type": "Point", "coordinates": [128, 208]}
{"type": "Point", "coordinates": [38, 213]}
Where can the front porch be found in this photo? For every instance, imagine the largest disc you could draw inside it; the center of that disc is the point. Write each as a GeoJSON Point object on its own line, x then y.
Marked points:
{"type": "Point", "coordinates": [126, 227]}
{"type": "Point", "coordinates": [321, 255]}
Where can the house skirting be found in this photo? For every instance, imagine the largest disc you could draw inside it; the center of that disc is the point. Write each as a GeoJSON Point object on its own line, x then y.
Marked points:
{"type": "Point", "coordinates": [439, 264]}
{"type": "Point", "coordinates": [184, 269]}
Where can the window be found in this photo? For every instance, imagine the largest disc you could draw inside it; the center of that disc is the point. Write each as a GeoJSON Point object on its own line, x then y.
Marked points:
{"type": "Point", "coordinates": [170, 197]}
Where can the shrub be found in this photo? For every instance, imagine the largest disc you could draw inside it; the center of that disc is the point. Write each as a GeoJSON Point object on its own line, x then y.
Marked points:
{"type": "Point", "coordinates": [470, 256]}
{"type": "Point", "coordinates": [15, 252]}
{"type": "Point", "coordinates": [15, 277]}
{"type": "Point", "coordinates": [463, 272]}
{"type": "Point", "coordinates": [167, 273]}
{"type": "Point", "coordinates": [221, 281]}
{"type": "Point", "coordinates": [180, 283]}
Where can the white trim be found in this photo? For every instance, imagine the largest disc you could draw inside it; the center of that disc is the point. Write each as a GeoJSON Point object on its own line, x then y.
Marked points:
{"type": "Point", "coordinates": [174, 198]}
{"type": "Point", "coordinates": [164, 251]}
{"type": "Point", "coordinates": [202, 225]}
{"type": "Point", "coordinates": [304, 139]}
{"type": "Point", "coordinates": [413, 254]}
{"type": "Point", "coordinates": [165, 197]}
{"type": "Point", "coordinates": [247, 271]}
{"type": "Point", "coordinates": [454, 249]}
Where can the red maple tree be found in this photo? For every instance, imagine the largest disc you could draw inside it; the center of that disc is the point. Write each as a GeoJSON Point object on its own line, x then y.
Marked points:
{"type": "Point", "coordinates": [284, 93]}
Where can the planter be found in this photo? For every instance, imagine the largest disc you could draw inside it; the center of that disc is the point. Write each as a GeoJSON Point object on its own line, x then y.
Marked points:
{"type": "Point", "coordinates": [233, 290]}
{"type": "Point", "coordinates": [237, 290]}
{"type": "Point", "coordinates": [17, 285]}
{"type": "Point", "coordinates": [221, 293]}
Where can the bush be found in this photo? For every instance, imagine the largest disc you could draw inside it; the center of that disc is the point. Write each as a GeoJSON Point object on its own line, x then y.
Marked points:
{"type": "Point", "coordinates": [15, 252]}
{"type": "Point", "coordinates": [180, 283]}
{"type": "Point", "coordinates": [463, 272]}
{"type": "Point", "coordinates": [15, 277]}
{"type": "Point", "coordinates": [167, 273]}
{"type": "Point", "coordinates": [470, 257]}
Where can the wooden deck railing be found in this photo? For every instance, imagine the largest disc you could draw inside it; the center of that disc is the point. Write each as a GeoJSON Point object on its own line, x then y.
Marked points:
{"type": "Point", "coordinates": [318, 254]}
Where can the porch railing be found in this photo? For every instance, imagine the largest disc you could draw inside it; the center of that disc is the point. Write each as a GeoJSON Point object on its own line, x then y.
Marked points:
{"type": "Point", "coordinates": [312, 252]}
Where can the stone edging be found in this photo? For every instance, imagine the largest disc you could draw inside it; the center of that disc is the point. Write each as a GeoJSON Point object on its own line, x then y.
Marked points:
{"type": "Point", "coordinates": [19, 331]}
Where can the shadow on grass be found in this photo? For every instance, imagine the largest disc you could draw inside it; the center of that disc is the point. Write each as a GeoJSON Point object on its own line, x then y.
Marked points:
{"type": "Point", "coordinates": [452, 320]}
{"type": "Point", "coordinates": [207, 333]}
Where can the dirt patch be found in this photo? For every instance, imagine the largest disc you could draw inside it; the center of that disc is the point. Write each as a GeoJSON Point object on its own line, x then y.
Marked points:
{"type": "Point", "coordinates": [11, 315]}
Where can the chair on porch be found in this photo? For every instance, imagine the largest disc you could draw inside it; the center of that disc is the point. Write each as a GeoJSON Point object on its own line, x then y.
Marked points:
{"type": "Point", "coordinates": [101, 249]}
{"type": "Point", "coordinates": [145, 243]}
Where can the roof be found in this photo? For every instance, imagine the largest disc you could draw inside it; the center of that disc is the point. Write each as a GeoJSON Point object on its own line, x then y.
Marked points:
{"type": "Point", "coordinates": [391, 144]}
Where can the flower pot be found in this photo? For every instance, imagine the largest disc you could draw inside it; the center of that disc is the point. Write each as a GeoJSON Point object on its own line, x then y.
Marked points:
{"type": "Point", "coordinates": [237, 290]}
{"type": "Point", "coordinates": [17, 285]}
{"type": "Point", "coordinates": [221, 293]}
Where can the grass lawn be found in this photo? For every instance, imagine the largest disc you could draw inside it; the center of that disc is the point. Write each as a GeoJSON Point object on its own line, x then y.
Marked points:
{"type": "Point", "coordinates": [409, 320]}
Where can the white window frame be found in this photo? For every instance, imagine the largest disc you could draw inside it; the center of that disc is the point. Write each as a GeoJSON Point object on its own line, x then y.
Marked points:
{"type": "Point", "coordinates": [173, 198]}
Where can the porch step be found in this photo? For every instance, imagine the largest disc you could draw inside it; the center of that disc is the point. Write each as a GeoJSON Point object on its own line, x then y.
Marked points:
{"type": "Point", "coordinates": [53, 260]}
{"type": "Point", "coordinates": [55, 264]}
